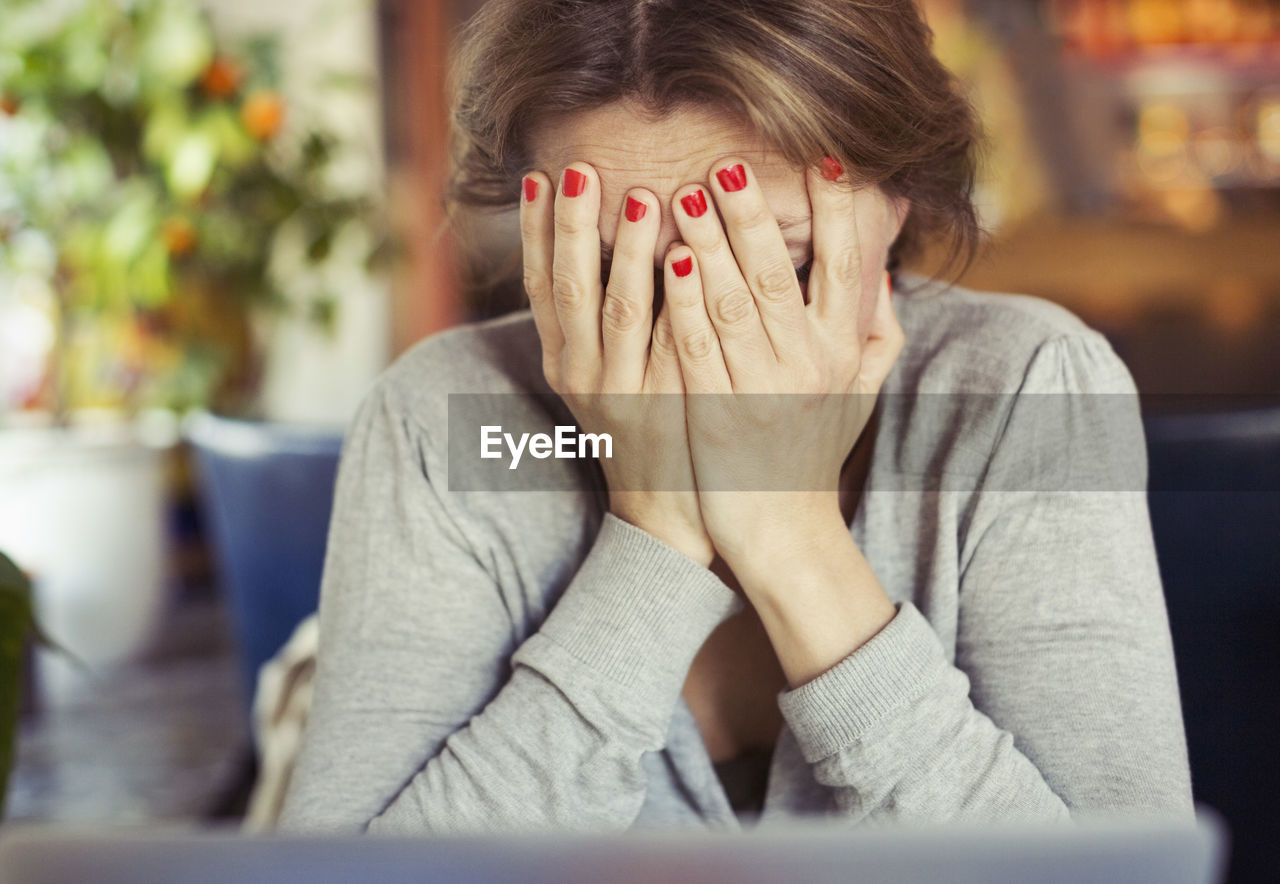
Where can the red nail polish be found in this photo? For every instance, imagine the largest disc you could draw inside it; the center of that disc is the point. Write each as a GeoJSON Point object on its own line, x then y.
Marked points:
{"type": "Point", "coordinates": [635, 209]}
{"type": "Point", "coordinates": [831, 170]}
{"type": "Point", "coordinates": [574, 182]}
{"type": "Point", "coordinates": [683, 267]}
{"type": "Point", "coordinates": [695, 204]}
{"type": "Point", "coordinates": [530, 189]}
{"type": "Point", "coordinates": [733, 178]}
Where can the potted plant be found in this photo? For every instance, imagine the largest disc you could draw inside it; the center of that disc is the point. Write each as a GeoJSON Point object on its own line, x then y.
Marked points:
{"type": "Point", "coordinates": [156, 202]}
{"type": "Point", "coordinates": [17, 627]}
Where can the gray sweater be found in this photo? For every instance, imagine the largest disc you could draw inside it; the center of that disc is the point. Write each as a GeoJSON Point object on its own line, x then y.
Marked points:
{"type": "Point", "coordinates": [496, 661]}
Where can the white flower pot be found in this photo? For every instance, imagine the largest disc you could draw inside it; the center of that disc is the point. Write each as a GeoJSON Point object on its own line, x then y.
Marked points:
{"type": "Point", "coordinates": [82, 509]}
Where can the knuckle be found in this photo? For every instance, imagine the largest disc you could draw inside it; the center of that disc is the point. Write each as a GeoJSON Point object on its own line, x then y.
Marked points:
{"type": "Point", "coordinates": [628, 252]}
{"type": "Point", "coordinates": [696, 346]}
{"type": "Point", "coordinates": [776, 281]}
{"type": "Point", "coordinates": [684, 297]}
{"type": "Point", "coordinates": [844, 268]}
{"type": "Point", "coordinates": [621, 312]}
{"type": "Point", "coordinates": [664, 340]}
{"type": "Point", "coordinates": [566, 225]}
{"type": "Point", "coordinates": [535, 286]}
{"type": "Point", "coordinates": [734, 308]}
{"type": "Point", "coordinates": [569, 291]}
{"type": "Point", "coordinates": [718, 251]}
{"type": "Point", "coordinates": [755, 219]}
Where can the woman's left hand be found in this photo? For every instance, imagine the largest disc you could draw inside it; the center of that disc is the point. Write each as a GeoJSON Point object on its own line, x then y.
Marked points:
{"type": "Point", "coordinates": [768, 463]}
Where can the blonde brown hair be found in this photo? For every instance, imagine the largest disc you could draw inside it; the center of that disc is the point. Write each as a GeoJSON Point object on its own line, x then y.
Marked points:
{"type": "Point", "coordinates": [853, 79]}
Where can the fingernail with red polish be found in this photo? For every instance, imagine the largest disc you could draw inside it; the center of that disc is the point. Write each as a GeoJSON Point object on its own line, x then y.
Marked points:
{"type": "Point", "coordinates": [574, 182]}
{"type": "Point", "coordinates": [683, 267]}
{"type": "Point", "coordinates": [831, 170]}
{"type": "Point", "coordinates": [530, 189]}
{"type": "Point", "coordinates": [732, 178]}
{"type": "Point", "coordinates": [695, 204]}
{"type": "Point", "coordinates": [635, 209]}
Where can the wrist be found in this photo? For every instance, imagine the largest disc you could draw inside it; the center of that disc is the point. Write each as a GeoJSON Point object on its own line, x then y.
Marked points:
{"type": "Point", "coordinates": [818, 602]}
{"type": "Point", "coordinates": [790, 544]}
{"type": "Point", "coordinates": [673, 529]}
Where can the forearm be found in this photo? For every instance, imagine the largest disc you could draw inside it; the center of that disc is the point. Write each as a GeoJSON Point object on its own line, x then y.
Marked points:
{"type": "Point", "coordinates": [890, 729]}
{"type": "Point", "coordinates": [879, 711]}
{"type": "Point", "coordinates": [816, 596]}
{"type": "Point", "coordinates": [928, 756]}
{"type": "Point", "coordinates": [559, 745]}
{"type": "Point", "coordinates": [892, 726]}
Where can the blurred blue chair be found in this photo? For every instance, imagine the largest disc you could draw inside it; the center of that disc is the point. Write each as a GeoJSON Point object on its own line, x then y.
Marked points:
{"type": "Point", "coordinates": [1214, 492]}
{"type": "Point", "coordinates": [267, 495]}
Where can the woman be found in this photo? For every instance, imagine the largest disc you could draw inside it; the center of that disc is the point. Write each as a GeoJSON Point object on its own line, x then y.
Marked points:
{"type": "Point", "coordinates": [775, 604]}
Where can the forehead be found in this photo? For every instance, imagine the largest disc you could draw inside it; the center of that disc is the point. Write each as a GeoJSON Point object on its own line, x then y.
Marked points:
{"type": "Point", "coordinates": [629, 148]}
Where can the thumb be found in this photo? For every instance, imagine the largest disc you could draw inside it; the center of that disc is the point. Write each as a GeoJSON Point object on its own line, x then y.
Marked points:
{"type": "Point", "coordinates": [885, 340]}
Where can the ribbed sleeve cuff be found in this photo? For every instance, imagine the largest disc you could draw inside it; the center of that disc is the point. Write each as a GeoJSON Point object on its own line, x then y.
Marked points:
{"type": "Point", "coordinates": [637, 612]}
{"type": "Point", "coordinates": [894, 668]}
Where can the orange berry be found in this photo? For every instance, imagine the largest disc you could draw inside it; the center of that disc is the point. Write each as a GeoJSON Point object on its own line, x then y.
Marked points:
{"type": "Point", "coordinates": [262, 114]}
{"type": "Point", "coordinates": [179, 235]}
{"type": "Point", "coordinates": [221, 78]}
{"type": "Point", "coordinates": [9, 104]}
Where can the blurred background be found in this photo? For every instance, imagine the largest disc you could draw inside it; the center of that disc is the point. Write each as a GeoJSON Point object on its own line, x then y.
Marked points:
{"type": "Point", "coordinates": [220, 220]}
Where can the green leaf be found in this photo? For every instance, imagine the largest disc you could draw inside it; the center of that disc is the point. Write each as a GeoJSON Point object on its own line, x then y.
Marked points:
{"type": "Point", "coordinates": [234, 146]}
{"type": "Point", "coordinates": [149, 277]}
{"type": "Point", "coordinates": [263, 53]}
{"type": "Point", "coordinates": [191, 165]}
{"type": "Point", "coordinates": [12, 579]}
{"type": "Point", "coordinates": [177, 47]}
{"type": "Point", "coordinates": [321, 245]}
{"type": "Point", "coordinates": [130, 229]}
{"type": "Point", "coordinates": [165, 126]}
{"type": "Point", "coordinates": [316, 150]}
{"type": "Point", "coordinates": [347, 81]}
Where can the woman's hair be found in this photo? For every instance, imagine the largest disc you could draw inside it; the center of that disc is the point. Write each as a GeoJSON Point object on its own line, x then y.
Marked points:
{"type": "Point", "coordinates": [852, 79]}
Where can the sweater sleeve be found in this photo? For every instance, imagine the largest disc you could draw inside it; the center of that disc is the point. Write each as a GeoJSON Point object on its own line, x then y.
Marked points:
{"type": "Point", "coordinates": [1063, 697]}
{"type": "Point", "coordinates": [430, 717]}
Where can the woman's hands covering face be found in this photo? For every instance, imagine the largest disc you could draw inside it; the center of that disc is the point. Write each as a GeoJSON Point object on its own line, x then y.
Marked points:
{"type": "Point", "coordinates": [735, 321]}
{"type": "Point", "coordinates": [768, 463]}
{"type": "Point", "coordinates": [604, 354]}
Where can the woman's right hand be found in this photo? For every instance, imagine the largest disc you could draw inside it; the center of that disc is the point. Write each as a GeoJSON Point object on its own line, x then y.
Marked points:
{"type": "Point", "coordinates": [602, 352]}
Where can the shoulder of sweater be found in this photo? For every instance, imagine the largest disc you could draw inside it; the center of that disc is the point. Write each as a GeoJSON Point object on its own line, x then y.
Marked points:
{"type": "Point", "coordinates": [500, 356]}
{"type": "Point", "coordinates": [958, 339]}
{"type": "Point", "coordinates": [979, 349]}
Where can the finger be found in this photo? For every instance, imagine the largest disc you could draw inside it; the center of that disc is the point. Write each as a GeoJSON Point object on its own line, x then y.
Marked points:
{"type": "Point", "coordinates": [698, 348]}
{"type": "Point", "coordinates": [575, 274]}
{"type": "Point", "coordinates": [626, 320]}
{"type": "Point", "coordinates": [662, 372]}
{"type": "Point", "coordinates": [835, 280]}
{"type": "Point", "coordinates": [761, 253]}
{"type": "Point", "coordinates": [885, 340]}
{"type": "Point", "coordinates": [536, 220]}
{"type": "Point", "coordinates": [729, 303]}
